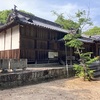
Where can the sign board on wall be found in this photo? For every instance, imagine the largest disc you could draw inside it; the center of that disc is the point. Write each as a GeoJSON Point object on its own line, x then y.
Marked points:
{"type": "Point", "coordinates": [52, 54]}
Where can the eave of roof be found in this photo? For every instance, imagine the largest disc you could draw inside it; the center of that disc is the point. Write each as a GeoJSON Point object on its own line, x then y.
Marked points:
{"type": "Point", "coordinates": [44, 25]}
{"type": "Point", "coordinates": [96, 37]}
{"type": "Point", "coordinates": [23, 18]}
{"type": "Point", "coordinates": [86, 40]}
{"type": "Point", "coordinates": [7, 25]}
{"type": "Point", "coordinates": [35, 23]}
{"type": "Point", "coordinates": [83, 39]}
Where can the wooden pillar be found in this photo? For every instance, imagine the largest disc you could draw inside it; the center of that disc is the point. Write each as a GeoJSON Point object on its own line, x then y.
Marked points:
{"type": "Point", "coordinates": [96, 49]}
{"type": "Point", "coordinates": [71, 56]}
{"type": "Point", "coordinates": [11, 45]}
{"type": "Point", "coordinates": [36, 51]}
{"type": "Point", "coordinates": [4, 44]}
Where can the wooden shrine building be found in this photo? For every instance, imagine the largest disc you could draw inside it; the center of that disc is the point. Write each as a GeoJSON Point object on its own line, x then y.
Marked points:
{"type": "Point", "coordinates": [91, 44]}
{"type": "Point", "coordinates": [26, 36]}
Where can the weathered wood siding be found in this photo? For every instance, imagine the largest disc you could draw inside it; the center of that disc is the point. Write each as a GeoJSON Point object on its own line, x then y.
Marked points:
{"type": "Point", "coordinates": [36, 42]}
{"type": "Point", "coordinates": [30, 42]}
{"type": "Point", "coordinates": [27, 42]}
{"type": "Point", "coordinates": [9, 43]}
{"type": "Point", "coordinates": [91, 47]}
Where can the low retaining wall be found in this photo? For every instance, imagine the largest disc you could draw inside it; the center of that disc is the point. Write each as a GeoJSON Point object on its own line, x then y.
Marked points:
{"type": "Point", "coordinates": [13, 63]}
{"type": "Point", "coordinates": [9, 80]}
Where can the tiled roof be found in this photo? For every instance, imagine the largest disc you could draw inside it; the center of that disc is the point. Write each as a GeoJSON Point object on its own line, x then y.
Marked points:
{"type": "Point", "coordinates": [33, 20]}
{"type": "Point", "coordinates": [86, 40]}
{"type": "Point", "coordinates": [90, 39]}
{"type": "Point", "coordinates": [45, 25]}
{"type": "Point", "coordinates": [83, 39]}
{"type": "Point", "coordinates": [96, 37]}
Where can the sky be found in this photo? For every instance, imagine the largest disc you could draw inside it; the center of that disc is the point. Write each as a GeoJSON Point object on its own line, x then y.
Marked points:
{"type": "Point", "coordinates": [44, 8]}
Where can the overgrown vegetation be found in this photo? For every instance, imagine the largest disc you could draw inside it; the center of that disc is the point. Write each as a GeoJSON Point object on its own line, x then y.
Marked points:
{"type": "Point", "coordinates": [93, 31]}
{"type": "Point", "coordinates": [79, 21]}
{"type": "Point", "coordinates": [82, 69]}
{"type": "Point", "coordinates": [65, 23]}
{"type": "Point", "coordinates": [4, 15]}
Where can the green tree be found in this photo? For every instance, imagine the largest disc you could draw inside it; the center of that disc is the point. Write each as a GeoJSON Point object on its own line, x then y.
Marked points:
{"type": "Point", "coordinates": [83, 19]}
{"type": "Point", "coordinates": [71, 40]}
{"type": "Point", "coordinates": [80, 20]}
{"type": "Point", "coordinates": [4, 15]}
{"type": "Point", "coordinates": [93, 31]}
{"type": "Point", "coordinates": [65, 23]}
{"type": "Point", "coordinates": [82, 69]}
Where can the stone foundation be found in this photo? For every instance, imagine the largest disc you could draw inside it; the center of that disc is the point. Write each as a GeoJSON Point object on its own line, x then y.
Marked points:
{"type": "Point", "coordinates": [9, 80]}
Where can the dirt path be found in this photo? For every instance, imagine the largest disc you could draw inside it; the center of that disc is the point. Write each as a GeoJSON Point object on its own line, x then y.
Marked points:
{"type": "Point", "coordinates": [63, 89]}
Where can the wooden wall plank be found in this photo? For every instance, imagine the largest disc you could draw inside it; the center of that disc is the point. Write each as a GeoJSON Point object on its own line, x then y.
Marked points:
{"type": "Point", "coordinates": [36, 42]}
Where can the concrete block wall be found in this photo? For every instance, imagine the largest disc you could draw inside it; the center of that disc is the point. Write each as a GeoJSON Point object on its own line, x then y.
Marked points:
{"type": "Point", "coordinates": [13, 63]}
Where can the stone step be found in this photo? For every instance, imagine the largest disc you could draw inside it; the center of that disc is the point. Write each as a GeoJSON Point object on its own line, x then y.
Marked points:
{"type": "Point", "coordinates": [97, 73]}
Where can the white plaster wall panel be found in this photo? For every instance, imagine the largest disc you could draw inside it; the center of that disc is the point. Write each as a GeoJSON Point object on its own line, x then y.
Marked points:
{"type": "Point", "coordinates": [2, 41]}
{"type": "Point", "coordinates": [15, 37]}
{"type": "Point", "coordinates": [8, 39]}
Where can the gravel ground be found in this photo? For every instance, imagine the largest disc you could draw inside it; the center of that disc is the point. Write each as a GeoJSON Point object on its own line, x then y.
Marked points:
{"type": "Point", "coordinates": [63, 89]}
